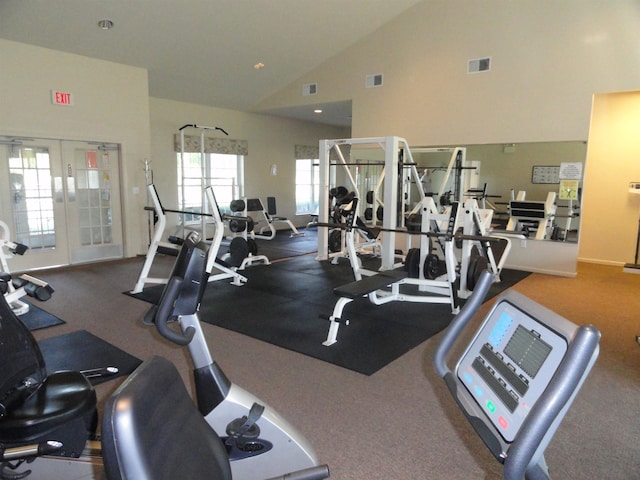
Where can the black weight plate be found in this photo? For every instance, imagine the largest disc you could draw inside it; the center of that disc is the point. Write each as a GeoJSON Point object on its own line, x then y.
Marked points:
{"type": "Point", "coordinates": [477, 265]}
{"type": "Point", "coordinates": [335, 241]}
{"type": "Point", "coordinates": [238, 251]}
{"type": "Point", "coordinates": [370, 197]}
{"type": "Point", "coordinates": [412, 262]}
{"type": "Point", "coordinates": [253, 246]}
{"type": "Point", "coordinates": [237, 205]}
{"type": "Point", "coordinates": [431, 266]}
{"type": "Point", "coordinates": [236, 225]}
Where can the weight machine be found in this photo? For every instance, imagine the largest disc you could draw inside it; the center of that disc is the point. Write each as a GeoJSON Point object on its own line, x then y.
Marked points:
{"type": "Point", "coordinates": [385, 285]}
{"type": "Point", "coordinates": [532, 216]}
{"type": "Point", "coordinates": [391, 181]}
{"type": "Point", "coordinates": [270, 217]}
{"type": "Point", "coordinates": [226, 269]}
{"type": "Point", "coordinates": [434, 268]}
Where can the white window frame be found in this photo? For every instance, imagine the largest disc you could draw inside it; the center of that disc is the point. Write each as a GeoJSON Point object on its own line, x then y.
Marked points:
{"type": "Point", "coordinates": [197, 171]}
{"type": "Point", "coordinates": [311, 182]}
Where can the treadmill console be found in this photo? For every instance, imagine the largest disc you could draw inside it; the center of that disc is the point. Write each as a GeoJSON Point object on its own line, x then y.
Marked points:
{"type": "Point", "coordinates": [517, 377]}
{"type": "Point", "coordinates": [511, 360]}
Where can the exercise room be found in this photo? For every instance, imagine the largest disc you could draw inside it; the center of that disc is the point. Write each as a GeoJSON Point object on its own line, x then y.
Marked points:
{"type": "Point", "coordinates": [350, 239]}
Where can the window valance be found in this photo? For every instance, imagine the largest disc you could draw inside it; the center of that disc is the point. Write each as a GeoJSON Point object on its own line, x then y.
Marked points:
{"type": "Point", "coordinates": [313, 151]}
{"type": "Point", "coordinates": [306, 151]}
{"type": "Point", "coordinates": [212, 145]}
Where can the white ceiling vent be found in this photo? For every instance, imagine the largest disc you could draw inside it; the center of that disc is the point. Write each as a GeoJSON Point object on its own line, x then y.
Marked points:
{"type": "Point", "coordinates": [479, 65]}
{"type": "Point", "coordinates": [373, 80]}
{"type": "Point", "coordinates": [309, 89]}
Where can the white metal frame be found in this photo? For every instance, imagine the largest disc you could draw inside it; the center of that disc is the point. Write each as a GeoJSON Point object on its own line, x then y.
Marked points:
{"type": "Point", "coordinates": [158, 234]}
{"type": "Point", "coordinates": [440, 290]}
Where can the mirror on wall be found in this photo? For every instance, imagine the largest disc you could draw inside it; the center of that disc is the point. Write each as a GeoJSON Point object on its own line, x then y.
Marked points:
{"type": "Point", "coordinates": [546, 177]}
{"type": "Point", "coordinates": [544, 180]}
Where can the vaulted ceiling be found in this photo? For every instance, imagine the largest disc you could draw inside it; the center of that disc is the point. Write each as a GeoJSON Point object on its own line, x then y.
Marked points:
{"type": "Point", "coordinates": [222, 53]}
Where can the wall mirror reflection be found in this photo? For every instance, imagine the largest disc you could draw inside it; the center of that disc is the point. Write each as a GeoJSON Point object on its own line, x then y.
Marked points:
{"type": "Point", "coordinates": [534, 188]}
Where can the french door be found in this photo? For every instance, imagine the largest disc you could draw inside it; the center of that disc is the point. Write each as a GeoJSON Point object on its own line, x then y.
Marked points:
{"type": "Point", "coordinates": [62, 200]}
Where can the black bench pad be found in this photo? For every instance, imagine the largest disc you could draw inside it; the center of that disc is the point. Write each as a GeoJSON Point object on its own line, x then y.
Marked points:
{"type": "Point", "coordinates": [370, 284]}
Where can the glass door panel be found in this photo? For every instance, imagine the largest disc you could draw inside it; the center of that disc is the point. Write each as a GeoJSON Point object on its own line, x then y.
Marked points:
{"type": "Point", "coordinates": [93, 201]}
{"type": "Point", "coordinates": [31, 205]}
{"type": "Point", "coordinates": [62, 200]}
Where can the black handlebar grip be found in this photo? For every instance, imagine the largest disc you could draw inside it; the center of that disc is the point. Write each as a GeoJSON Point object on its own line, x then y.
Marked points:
{"type": "Point", "coordinates": [165, 309]}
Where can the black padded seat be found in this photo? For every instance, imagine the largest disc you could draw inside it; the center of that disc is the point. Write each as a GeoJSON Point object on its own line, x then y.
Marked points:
{"type": "Point", "coordinates": [61, 398]}
{"type": "Point", "coordinates": [36, 407]}
{"type": "Point", "coordinates": [152, 430]}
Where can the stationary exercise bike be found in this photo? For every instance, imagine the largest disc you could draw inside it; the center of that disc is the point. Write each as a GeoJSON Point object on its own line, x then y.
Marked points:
{"type": "Point", "coordinates": [260, 443]}
{"type": "Point", "coordinates": [54, 414]}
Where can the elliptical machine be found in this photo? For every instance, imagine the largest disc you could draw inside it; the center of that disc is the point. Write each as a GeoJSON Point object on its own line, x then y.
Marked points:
{"type": "Point", "coordinates": [258, 439]}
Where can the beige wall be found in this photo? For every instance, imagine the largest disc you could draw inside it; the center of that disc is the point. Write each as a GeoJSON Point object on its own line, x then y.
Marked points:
{"type": "Point", "coordinates": [610, 217]}
{"type": "Point", "coordinates": [548, 58]}
{"type": "Point", "coordinates": [111, 105]}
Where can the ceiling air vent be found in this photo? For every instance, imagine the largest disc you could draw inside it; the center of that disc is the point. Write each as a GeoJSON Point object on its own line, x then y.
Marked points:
{"type": "Point", "coordinates": [309, 89]}
{"type": "Point", "coordinates": [374, 80]}
{"type": "Point", "coordinates": [479, 65]}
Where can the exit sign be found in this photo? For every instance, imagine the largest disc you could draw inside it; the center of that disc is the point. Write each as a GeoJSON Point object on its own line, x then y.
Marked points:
{"type": "Point", "coordinates": [61, 98]}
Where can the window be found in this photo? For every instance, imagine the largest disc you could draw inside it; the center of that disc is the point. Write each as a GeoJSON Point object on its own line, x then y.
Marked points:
{"type": "Point", "coordinates": [307, 186]}
{"type": "Point", "coordinates": [30, 172]}
{"type": "Point", "coordinates": [224, 172]}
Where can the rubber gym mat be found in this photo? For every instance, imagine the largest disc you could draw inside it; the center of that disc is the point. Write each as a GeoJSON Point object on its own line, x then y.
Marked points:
{"type": "Point", "coordinates": [282, 307]}
{"type": "Point", "coordinates": [285, 246]}
{"type": "Point", "coordinates": [81, 350]}
{"type": "Point", "coordinates": [281, 304]}
{"type": "Point", "coordinates": [36, 318]}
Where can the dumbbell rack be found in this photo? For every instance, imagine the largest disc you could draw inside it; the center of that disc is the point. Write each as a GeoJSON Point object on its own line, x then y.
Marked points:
{"type": "Point", "coordinates": [14, 289]}
{"type": "Point", "coordinates": [243, 227]}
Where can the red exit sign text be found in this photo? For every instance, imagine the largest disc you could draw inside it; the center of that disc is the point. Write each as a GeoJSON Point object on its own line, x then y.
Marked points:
{"type": "Point", "coordinates": [61, 98]}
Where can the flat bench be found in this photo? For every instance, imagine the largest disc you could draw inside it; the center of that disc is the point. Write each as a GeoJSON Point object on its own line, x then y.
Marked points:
{"type": "Point", "coordinates": [357, 289]}
{"type": "Point", "coordinates": [370, 284]}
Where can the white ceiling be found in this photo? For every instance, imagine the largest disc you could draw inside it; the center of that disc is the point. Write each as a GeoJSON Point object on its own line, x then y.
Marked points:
{"type": "Point", "coordinates": [204, 51]}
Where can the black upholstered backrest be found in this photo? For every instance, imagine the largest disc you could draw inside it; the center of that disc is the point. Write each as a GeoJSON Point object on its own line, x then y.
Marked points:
{"type": "Point", "coordinates": [152, 430]}
{"type": "Point", "coordinates": [22, 367]}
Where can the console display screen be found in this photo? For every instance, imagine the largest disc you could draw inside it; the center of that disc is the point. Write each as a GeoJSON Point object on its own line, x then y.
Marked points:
{"type": "Point", "coordinates": [527, 350]}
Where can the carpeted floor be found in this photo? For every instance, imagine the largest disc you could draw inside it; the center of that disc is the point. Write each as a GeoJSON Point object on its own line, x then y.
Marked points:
{"type": "Point", "coordinates": [282, 304]}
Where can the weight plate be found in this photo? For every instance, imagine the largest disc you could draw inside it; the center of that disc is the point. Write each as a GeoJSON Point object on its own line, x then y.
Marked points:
{"type": "Point", "coordinates": [431, 267]}
{"type": "Point", "coordinates": [412, 262]}
{"type": "Point", "coordinates": [370, 197]}
{"type": "Point", "coordinates": [253, 246]}
{"type": "Point", "coordinates": [237, 205]}
{"type": "Point", "coordinates": [335, 241]}
{"type": "Point", "coordinates": [238, 251]}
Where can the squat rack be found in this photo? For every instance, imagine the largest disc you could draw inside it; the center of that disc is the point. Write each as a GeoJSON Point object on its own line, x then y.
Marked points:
{"type": "Point", "coordinates": [392, 146]}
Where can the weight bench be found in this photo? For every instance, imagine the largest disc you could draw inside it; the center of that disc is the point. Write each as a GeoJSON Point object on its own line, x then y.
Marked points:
{"type": "Point", "coordinates": [269, 214]}
{"type": "Point", "coordinates": [359, 288]}
{"type": "Point", "coordinates": [528, 216]}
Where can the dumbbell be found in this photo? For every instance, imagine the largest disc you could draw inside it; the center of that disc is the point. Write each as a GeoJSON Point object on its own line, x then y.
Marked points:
{"type": "Point", "coordinates": [34, 287]}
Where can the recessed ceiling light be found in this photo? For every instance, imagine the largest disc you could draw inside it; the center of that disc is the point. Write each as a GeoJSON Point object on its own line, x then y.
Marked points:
{"type": "Point", "coordinates": [317, 110]}
{"type": "Point", "coordinates": [259, 66]}
{"type": "Point", "coordinates": [105, 24]}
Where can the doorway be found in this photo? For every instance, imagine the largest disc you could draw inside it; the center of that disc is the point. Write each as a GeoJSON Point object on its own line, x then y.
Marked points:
{"type": "Point", "coordinates": [61, 199]}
